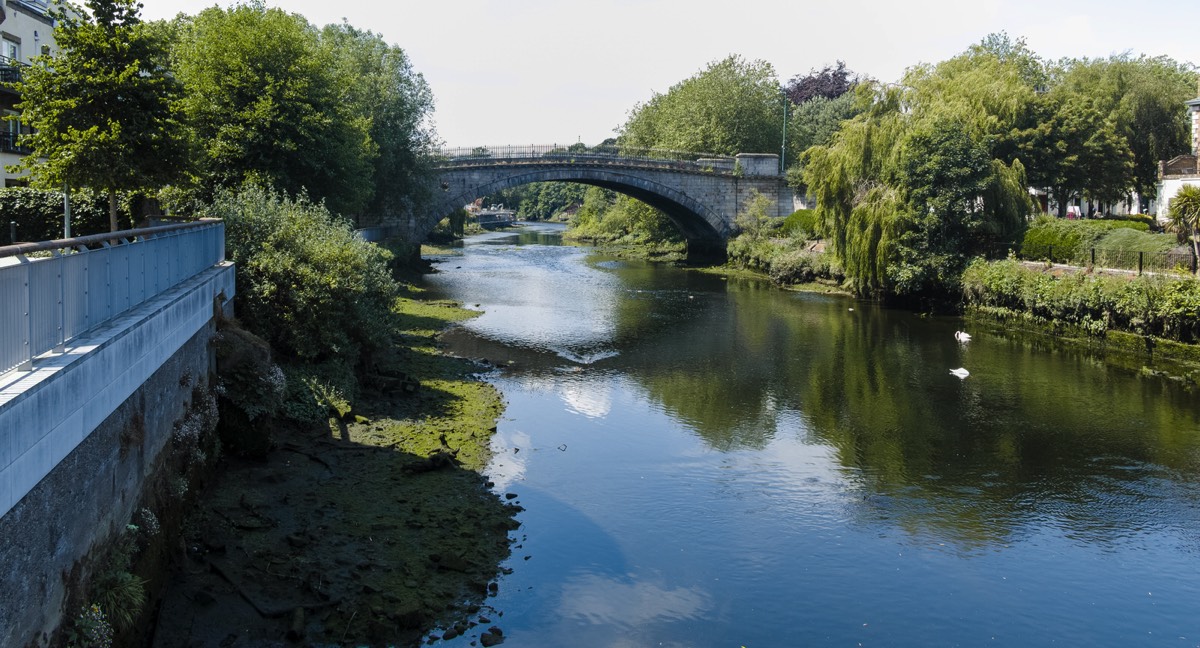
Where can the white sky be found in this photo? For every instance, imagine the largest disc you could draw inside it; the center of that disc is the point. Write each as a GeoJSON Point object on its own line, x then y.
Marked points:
{"type": "Point", "coordinates": [557, 71]}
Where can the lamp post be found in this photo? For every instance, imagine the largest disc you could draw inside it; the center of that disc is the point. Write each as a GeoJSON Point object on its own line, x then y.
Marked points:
{"type": "Point", "coordinates": [66, 211]}
{"type": "Point", "coordinates": [783, 138]}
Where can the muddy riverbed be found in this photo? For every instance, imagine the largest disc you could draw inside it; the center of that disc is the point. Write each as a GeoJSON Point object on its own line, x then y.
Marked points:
{"type": "Point", "coordinates": [378, 531]}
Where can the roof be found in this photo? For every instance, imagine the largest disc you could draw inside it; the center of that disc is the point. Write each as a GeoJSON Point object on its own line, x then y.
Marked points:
{"type": "Point", "coordinates": [1193, 102]}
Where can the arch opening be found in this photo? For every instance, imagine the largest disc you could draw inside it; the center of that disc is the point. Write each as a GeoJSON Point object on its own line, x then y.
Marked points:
{"type": "Point", "coordinates": [703, 230]}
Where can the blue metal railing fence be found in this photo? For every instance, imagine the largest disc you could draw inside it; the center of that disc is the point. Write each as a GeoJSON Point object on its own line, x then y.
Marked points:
{"type": "Point", "coordinates": [52, 292]}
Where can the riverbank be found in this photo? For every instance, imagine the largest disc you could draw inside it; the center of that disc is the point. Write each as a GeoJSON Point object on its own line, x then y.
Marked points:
{"type": "Point", "coordinates": [623, 248]}
{"type": "Point", "coordinates": [375, 530]}
{"type": "Point", "coordinates": [821, 286]}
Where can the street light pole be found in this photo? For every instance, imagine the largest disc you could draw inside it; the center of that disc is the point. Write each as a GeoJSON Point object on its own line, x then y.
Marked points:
{"type": "Point", "coordinates": [66, 211]}
{"type": "Point", "coordinates": [783, 141]}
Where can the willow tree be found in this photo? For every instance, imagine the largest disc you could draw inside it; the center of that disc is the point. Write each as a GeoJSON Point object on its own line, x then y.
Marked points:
{"type": "Point", "coordinates": [101, 110]}
{"type": "Point", "coordinates": [910, 189]}
{"type": "Point", "coordinates": [853, 180]}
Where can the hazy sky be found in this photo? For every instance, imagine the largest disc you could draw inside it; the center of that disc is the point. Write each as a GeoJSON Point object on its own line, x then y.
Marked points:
{"type": "Point", "coordinates": [554, 71]}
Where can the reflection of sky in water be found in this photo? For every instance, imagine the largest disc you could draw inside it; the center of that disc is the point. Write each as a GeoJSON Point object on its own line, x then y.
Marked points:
{"type": "Point", "coordinates": [555, 303]}
{"type": "Point", "coordinates": [595, 599]}
{"type": "Point", "coordinates": [508, 463]}
{"type": "Point", "coordinates": [591, 398]}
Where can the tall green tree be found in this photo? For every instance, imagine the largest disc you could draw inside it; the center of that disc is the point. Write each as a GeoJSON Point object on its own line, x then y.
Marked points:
{"type": "Point", "coordinates": [1144, 99]}
{"type": "Point", "coordinates": [732, 106]}
{"type": "Point", "coordinates": [1077, 151]}
{"type": "Point", "coordinates": [101, 110]}
{"type": "Point", "coordinates": [264, 102]}
{"type": "Point", "coordinates": [816, 120]}
{"type": "Point", "coordinates": [378, 86]}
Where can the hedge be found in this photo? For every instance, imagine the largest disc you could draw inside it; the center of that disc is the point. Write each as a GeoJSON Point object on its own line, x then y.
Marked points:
{"type": "Point", "coordinates": [39, 214]}
{"type": "Point", "coordinates": [1146, 305]}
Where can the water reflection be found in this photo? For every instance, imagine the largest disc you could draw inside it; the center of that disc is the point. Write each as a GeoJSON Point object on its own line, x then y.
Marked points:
{"type": "Point", "coordinates": [631, 603]}
{"type": "Point", "coordinates": [796, 450]}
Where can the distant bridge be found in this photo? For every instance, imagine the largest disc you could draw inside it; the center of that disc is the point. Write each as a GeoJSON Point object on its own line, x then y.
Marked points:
{"type": "Point", "coordinates": [701, 193]}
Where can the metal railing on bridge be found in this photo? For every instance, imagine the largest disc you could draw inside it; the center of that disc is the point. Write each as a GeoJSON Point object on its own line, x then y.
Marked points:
{"type": "Point", "coordinates": [52, 292]}
{"type": "Point", "coordinates": [580, 154]}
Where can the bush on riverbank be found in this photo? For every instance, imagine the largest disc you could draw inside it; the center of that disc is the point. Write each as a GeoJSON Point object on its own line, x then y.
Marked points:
{"type": "Point", "coordinates": [320, 296]}
{"type": "Point", "coordinates": [802, 222]}
{"type": "Point", "coordinates": [780, 249]}
{"type": "Point", "coordinates": [786, 261]}
{"type": "Point", "coordinates": [612, 219]}
{"type": "Point", "coordinates": [1157, 306]}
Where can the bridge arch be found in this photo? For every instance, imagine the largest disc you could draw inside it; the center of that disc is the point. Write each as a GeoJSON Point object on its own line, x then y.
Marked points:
{"type": "Point", "coordinates": [697, 222]}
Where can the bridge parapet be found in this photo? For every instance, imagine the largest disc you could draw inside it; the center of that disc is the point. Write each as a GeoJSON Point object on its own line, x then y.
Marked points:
{"type": "Point", "coordinates": [623, 156]}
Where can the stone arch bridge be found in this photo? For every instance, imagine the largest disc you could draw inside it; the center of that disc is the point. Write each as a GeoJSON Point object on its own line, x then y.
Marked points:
{"type": "Point", "coordinates": [700, 194]}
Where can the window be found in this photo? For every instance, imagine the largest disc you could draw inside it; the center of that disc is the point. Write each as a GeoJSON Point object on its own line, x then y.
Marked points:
{"type": "Point", "coordinates": [10, 49]}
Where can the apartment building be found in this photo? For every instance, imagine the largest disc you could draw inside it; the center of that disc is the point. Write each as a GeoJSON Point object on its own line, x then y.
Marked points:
{"type": "Point", "coordinates": [26, 30]}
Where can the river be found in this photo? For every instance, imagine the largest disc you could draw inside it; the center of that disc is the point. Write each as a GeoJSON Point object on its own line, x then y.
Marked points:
{"type": "Point", "coordinates": [716, 462]}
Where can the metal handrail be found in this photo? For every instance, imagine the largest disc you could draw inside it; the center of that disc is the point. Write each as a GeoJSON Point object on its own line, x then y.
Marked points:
{"type": "Point", "coordinates": [498, 154]}
{"type": "Point", "coordinates": [49, 301]}
{"type": "Point", "coordinates": [10, 141]}
{"type": "Point", "coordinates": [9, 61]}
{"type": "Point", "coordinates": [96, 239]}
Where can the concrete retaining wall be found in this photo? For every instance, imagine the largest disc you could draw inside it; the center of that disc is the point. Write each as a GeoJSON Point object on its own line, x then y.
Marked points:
{"type": "Point", "coordinates": [80, 434]}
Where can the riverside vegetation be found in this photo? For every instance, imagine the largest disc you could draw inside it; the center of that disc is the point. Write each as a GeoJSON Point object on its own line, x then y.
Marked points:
{"type": "Point", "coordinates": [352, 508]}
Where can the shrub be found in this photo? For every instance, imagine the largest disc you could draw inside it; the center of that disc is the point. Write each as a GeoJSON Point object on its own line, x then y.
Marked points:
{"type": "Point", "coordinates": [1145, 305]}
{"type": "Point", "coordinates": [798, 265]}
{"type": "Point", "coordinates": [1070, 240]}
{"type": "Point", "coordinates": [801, 223]}
{"type": "Point", "coordinates": [1146, 219]}
{"type": "Point", "coordinates": [307, 284]}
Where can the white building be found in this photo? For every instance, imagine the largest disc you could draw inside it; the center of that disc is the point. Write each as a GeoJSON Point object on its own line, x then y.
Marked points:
{"type": "Point", "coordinates": [1182, 170]}
{"type": "Point", "coordinates": [26, 30]}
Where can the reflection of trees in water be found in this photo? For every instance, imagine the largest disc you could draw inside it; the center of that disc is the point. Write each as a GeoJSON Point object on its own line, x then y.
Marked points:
{"type": "Point", "coordinates": [1030, 436]}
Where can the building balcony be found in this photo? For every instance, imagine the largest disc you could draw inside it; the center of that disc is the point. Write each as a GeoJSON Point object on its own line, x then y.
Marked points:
{"type": "Point", "coordinates": [8, 144]}
{"type": "Point", "coordinates": [10, 73]}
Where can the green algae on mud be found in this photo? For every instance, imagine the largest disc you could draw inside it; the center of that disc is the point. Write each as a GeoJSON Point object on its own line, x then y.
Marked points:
{"type": "Point", "coordinates": [373, 531]}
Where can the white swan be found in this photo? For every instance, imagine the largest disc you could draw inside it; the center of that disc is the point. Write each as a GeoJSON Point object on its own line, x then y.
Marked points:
{"type": "Point", "coordinates": [962, 336]}
{"type": "Point", "coordinates": [960, 372]}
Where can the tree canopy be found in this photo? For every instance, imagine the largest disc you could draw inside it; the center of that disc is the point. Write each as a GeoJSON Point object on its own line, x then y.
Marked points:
{"type": "Point", "coordinates": [379, 87]}
{"type": "Point", "coordinates": [909, 189]}
{"type": "Point", "coordinates": [102, 109]}
{"type": "Point", "coordinates": [264, 104]}
{"type": "Point", "coordinates": [732, 106]}
{"type": "Point", "coordinates": [830, 82]}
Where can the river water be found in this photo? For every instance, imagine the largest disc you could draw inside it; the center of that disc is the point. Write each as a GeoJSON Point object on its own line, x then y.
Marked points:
{"type": "Point", "coordinates": [711, 462]}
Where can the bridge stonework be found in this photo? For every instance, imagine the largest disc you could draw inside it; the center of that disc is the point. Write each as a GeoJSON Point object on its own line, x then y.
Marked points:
{"type": "Point", "coordinates": [702, 198]}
